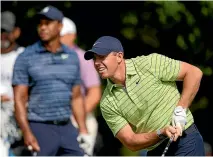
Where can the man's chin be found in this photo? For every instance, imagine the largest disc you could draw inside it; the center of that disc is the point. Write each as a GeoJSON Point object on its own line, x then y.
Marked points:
{"type": "Point", "coordinates": [5, 44]}
{"type": "Point", "coordinates": [104, 76]}
{"type": "Point", "coordinates": [44, 40]}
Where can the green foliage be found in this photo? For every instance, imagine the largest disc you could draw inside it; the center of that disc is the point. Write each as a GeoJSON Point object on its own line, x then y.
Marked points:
{"type": "Point", "coordinates": [129, 33]}
{"type": "Point", "coordinates": [168, 16]}
{"type": "Point", "coordinates": [200, 104]}
{"type": "Point", "coordinates": [208, 55]}
{"type": "Point", "coordinates": [181, 42]}
{"type": "Point", "coordinates": [207, 8]}
{"type": "Point", "coordinates": [207, 70]}
{"type": "Point", "coordinates": [67, 4]}
{"type": "Point", "coordinates": [148, 35]}
{"type": "Point", "coordinates": [171, 9]}
{"type": "Point", "coordinates": [130, 18]}
{"type": "Point", "coordinates": [31, 12]}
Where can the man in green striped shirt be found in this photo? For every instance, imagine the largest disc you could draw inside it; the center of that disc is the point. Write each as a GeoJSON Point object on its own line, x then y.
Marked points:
{"type": "Point", "coordinates": [141, 103]}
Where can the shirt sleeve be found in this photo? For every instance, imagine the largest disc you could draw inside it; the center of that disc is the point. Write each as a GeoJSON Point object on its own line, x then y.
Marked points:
{"type": "Point", "coordinates": [20, 71]}
{"type": "Point", "coordinates": [113, 118]}
{"type": "Point", "coordinates": [162, 67]}
{"type": "Point", "coordinates": [77, 81]}
{"type": "Point", "coordinates": [90, 76]}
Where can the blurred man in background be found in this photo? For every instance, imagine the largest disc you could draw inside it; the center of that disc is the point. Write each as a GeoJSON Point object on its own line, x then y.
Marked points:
{"type": "Point", "coordinates": [47, 76]}
{"type": "Point", "coordinates": [9, 52]}
{"type": "Point", "coordinates": [90, 87]}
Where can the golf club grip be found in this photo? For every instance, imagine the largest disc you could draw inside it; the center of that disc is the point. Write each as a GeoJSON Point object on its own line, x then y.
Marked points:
{"type": "Point", "coordinates": [167, 146]}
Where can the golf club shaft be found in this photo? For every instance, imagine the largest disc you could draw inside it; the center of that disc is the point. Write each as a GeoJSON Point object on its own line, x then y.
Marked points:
{"type": "Point", "coordinates": [167, 146]}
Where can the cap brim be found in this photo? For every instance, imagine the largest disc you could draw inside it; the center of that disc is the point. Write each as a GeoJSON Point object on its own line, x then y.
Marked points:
{"type": "Point", "coordinates": [6, 28]}
{"type": "Point", "coordinates": [88, 55]}
{"type": "Point", "coordinates": [100, 51]}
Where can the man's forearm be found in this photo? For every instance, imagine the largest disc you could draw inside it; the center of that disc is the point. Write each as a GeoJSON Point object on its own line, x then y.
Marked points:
{"type": "Point", "coordinates": [21, 98]}
{"type": "Point", "coordinates": [92, 98]}
{"type": "Point", "coordinates": [191, 84]}
{"type": "Point", "coordinates": [79, 113]}
{"type": "Point", "coordinates": [21, 117]}
{"type": "Point", "coordinates": [138, 141]}
{"type": "Point", "coordinates": [143, 140]}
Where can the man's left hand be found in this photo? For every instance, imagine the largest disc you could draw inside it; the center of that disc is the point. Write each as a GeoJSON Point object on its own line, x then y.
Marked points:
{"type": "Point", "coordinates": [85, 142]}
{"type": "Point", "coordinates": [179, 118]}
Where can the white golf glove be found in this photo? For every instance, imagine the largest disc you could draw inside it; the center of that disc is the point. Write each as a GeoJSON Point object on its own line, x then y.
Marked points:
{"type": "Point", "coordinates": [179, 118]}
{"type": "Point", "coordinates": [85, 142]}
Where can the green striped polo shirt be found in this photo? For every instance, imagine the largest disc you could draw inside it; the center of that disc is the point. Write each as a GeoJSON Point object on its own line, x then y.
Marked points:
{"type": "Point", "coordinates": [149, 99]}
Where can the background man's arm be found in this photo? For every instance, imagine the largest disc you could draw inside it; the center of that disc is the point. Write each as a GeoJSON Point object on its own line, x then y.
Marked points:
{"type": "Point", "coordinates": [21, 97]}
{"type": "Point", "coordinates": [20, 83]}
{"type": "Point", "coordinates": [78, 108]}
{"type": "Point", "coordinates": [93, 96]}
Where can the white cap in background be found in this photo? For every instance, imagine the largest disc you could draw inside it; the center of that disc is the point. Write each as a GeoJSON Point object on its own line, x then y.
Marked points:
{"type": "Point", "coordinates": [68, 26]}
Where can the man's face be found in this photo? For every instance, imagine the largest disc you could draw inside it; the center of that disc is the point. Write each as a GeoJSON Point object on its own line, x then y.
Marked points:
{"type": "Point", "coordinates": [107, 65]}
{"type": "Point", "coordinates": [68, 39]}
{"type": "Point", "coordinates": [7, 38]}
{"type": "Point", "coordinates": [48, 29]}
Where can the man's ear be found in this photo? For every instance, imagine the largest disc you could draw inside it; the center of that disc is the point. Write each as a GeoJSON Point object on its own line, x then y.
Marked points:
{"type": "Point", "coordinates": [73, 37]}
{"type": "Point", "coordinates": [16, 33]}
{"type": "Point", "coordinates": [60, 25]}
{"type": "Point", "coordinates": [120, 56]}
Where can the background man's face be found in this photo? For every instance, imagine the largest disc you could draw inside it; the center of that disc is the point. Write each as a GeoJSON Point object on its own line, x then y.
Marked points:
{"type": "Point", "coordinates": [7, 38]}
{"type": "Point", "coordinates": [68, 39]}
{"type": "Point", "coordinates": [48, 29]}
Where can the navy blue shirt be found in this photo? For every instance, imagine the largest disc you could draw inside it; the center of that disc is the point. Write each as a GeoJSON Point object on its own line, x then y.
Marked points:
{"type": "Point", "coordinates": [50, 77]}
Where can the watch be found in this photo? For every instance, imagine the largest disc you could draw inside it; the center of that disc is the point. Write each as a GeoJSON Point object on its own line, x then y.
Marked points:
{"type": "Point", "coordinates": [160, 135]}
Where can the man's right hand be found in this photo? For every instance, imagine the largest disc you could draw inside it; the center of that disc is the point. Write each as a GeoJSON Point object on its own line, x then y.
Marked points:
{"type": "Point", "coordinates": [171, 131]}
{"type": "Point", "coordinates": [30, 140]}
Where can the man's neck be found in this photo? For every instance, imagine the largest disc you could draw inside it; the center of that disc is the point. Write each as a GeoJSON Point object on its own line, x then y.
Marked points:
{"type": "Point", "coordinates": [71, 45]}
{"type": "Point", "coordinates": [120, 75]}
{"type": "Point", "coordinates": [53, 45]}
{"type": "Point", "coordinates": [9, 49]}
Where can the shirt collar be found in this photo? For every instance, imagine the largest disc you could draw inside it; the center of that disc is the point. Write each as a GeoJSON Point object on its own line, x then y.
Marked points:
{"type": "Point", "coordinates": [130, 67]}
{"type": "Point", "coordinates": [110, 85]}
{"type": "Point", "coordinates": [41, 48]}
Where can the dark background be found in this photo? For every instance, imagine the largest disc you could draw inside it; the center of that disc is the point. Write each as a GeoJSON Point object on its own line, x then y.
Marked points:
{"type": "Point", "coordinates": [180, 30]}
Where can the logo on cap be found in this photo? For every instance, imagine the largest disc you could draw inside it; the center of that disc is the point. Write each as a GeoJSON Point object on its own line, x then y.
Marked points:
{"type": "Point", "coordinates": [46, 9]}
{"type": "Point", "coordinates": [96, 43]}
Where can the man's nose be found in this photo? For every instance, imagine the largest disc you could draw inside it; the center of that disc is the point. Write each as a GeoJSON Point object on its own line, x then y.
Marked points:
{"type": "Point", "coordinates": [97, 61]}
{"type": "Point", "coordinates": [42, 26]}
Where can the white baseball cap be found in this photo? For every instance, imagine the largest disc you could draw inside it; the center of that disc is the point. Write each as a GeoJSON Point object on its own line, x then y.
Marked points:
{"type": "Point", "coordinates": [68, 26]}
